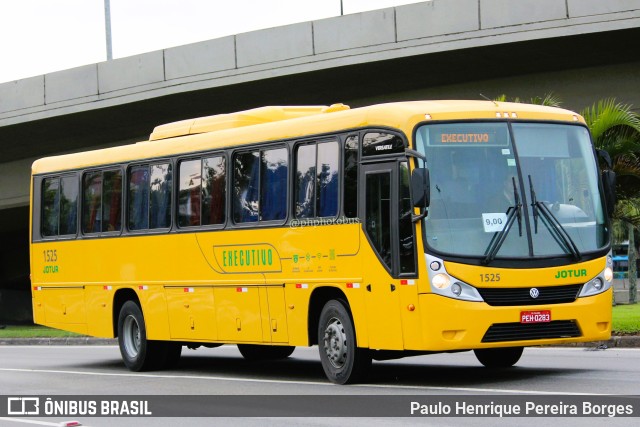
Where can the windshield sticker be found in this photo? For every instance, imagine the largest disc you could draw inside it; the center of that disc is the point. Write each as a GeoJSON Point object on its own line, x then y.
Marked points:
{"type": "Point", "coordinates": [494, 222]}
{"type": "Point", "coordinates": [465, 135]}
{"type": "Point", "coordinates": [465, 138]}
{"type": "Point", "coordinates": [506, 152]}
{"type": "Point", "coordinates": [511, 162]}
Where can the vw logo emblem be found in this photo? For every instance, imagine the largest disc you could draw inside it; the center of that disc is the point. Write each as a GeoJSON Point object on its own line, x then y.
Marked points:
{"type": "Point", "coordinates": [534, 292]}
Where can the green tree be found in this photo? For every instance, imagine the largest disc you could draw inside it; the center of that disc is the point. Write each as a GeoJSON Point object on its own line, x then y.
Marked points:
{"type": "Point", "coordinates": [549, 100]}
{"type": "Point", "coordinates": [615, 128]}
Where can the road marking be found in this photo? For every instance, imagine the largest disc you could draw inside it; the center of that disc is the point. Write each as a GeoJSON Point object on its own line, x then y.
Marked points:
{"type": "Point", "coordinates": [255, 380]}
{"type": "Point", "coordinates": [138, 375]}
{"type": "Point", "coordinates": [41, 423]}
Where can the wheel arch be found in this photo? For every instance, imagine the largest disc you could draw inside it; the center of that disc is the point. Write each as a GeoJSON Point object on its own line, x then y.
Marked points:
{"type": "Point", "coordinates": [121, 296]}
{"type": "Point", "coordinates": [319, 298]}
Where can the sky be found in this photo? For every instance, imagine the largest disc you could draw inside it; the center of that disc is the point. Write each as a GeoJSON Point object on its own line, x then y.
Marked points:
{"type": "Point", "coordinates": [42, 36]}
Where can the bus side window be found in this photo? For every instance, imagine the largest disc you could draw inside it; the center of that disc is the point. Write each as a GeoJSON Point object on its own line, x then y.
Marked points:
{"type": "Point", "coordinates": [378, 209]}
{"type": "Point", "coordinates": [50, 206]}
{"type": "Point", "coordinates": [102, 201]}
{"type": "Point", "coordinates": [91, 202]}
{"type": "Point", "coordinates": [350, 196]}
{"type": "Point", "coordinates": [138, 198]}
{"type": "Point", "coordinates": [149, 197]}
{"type": "Point", "coordinates": [305, 181]}
{"type": "Point", "coordinates": [260, 185]}
{"type": "Point", "coordinates": [68, 205]}
{"type": "Point", "coordinates": [327, 185]}
{"type": "Point", "coordinates": [316, 181]}
{"type": "Point", "coordinates": [160, 196]}
{"type": "Point", "coordinates": [273, 184]}
{"type": "Point", "coordinates": [245, 187]}
{"type": "Point", "coordinates": [214, 174]}
{"type": "Point", "coordinates": [189, 193]}
{"type": "Point", "coordinates": [112, 201]}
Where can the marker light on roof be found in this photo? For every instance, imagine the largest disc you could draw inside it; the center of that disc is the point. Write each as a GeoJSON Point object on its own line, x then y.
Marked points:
{"type": "Point", "coordinates": [514, 116]}
{"type": "Point", "coordinates": [427, 116]}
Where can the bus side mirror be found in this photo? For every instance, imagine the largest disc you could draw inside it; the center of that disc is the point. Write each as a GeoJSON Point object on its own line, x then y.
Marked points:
{"type": "Point", "coordinates": [420, 188]}
{"type": "Point", "coordinates": [609, 187]}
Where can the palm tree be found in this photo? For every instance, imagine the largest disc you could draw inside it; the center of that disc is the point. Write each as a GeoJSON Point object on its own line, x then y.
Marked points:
{"type": "Point", "coordinates": [615, 128]}
{"type": "Point", "coordinates": [549, 100]}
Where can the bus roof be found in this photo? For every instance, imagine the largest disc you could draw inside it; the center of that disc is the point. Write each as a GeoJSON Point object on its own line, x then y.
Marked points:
{"type": "Point", "coordinates": [266, 124]}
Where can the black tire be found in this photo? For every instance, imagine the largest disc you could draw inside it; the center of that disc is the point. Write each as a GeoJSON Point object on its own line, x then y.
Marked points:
{"type": "Point", "coordinates": [138, 353]}
{"type": "Point", "coordinates": [265, 352]}
{"type": "Point", "coordinates": [499, 357]}
{"type": "Point", "coordinates": [342, 360]}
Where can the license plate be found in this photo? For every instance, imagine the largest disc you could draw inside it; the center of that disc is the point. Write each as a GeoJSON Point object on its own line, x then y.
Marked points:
{"type": "Point", "coordinates": [543, 316]}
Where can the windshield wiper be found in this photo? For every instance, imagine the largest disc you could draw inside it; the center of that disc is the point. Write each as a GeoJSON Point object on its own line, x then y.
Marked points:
{"type": "Point", "coordinates": [498, 238]}
{"type": "Point", "coordinates": [534, 205]}
{"type": "Point", "coordinates": [556, 229]}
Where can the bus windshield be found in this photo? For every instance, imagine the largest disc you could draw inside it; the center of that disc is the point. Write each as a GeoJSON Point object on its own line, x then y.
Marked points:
{"type": "Point", "coordinates": [539, 178]}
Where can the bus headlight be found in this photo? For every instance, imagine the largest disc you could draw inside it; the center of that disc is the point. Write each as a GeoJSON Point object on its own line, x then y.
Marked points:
{"type": "Point", "coordinates": [442, 285]}
{"type": "Point", "coordinates": [461, 290]}
{"type": "Point", "coordinates": [447, 286]}
{"type": "Point", "coordinates": [597, 285]}
{"type": "Point", "coordinates": [608, 270]}
{"type": "Point", "coordinates": [441, 281]}
{"type": "Point", "coordinates": [608, 274]}
{"type": "Point", "coordinates": [456, 288]}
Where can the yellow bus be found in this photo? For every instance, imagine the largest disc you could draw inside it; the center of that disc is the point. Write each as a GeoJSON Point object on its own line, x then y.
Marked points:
{"type": "Point", "coordinates": [374, 233]}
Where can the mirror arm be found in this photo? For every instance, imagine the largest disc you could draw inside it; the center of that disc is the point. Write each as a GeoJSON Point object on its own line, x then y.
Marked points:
{"type": "Point", "coordinates": [413, 153]}
{"type": "Point", "coordinates": [416, 218]}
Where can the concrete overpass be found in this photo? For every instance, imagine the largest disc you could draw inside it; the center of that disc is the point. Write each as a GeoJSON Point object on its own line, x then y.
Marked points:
{"type": "Point", "coordinates": [581, 50]}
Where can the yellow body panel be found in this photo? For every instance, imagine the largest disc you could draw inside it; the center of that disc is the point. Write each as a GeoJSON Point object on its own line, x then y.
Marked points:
{"type": "Point", "coordinates": [185, 298]}
{"type": "Point", "coordinates": [450, 324]}
{"type": "Point", "coordinates": [211, 286]}
{"type": "Point", "coordinates": [256, 285]}
{"type": "Point", "coordinates": [518, 278]}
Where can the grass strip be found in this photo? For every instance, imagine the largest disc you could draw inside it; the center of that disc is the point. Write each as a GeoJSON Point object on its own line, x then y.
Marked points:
{"type": "Point", "coordinates": [626, 319]}
{"type": "Point", "coordinates": [34, 331]}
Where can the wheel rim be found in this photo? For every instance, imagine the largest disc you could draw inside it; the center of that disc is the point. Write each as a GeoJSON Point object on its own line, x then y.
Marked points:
{"type": "Point", "coordinates": [335, 343]}
{"type": "Point", "coordinates": [131, 336]}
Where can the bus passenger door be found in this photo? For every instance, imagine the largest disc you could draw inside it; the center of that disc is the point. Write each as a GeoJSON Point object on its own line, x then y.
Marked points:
{"type": "Point", "coordinates": [379, 202]}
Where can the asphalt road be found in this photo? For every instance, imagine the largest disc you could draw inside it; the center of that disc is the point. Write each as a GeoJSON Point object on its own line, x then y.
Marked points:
{"type": "Point", "coordinates": [98, 370]}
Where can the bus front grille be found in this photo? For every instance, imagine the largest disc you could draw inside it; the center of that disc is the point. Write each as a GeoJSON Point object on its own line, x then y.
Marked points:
{"type": "Point", "coordinates": [522, 296]}
{"type": "Point", "coordinates": [500, 332]}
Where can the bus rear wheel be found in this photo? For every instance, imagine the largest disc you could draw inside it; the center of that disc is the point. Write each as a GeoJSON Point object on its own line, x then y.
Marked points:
{"type": "Point", "coordinates": [499, 357]}
{"type": "Point", "coordinates": [138, 353]}
{"type": "Point", "coordinates": [265, 352]}
{"type": "Point", "coordinates": [343, 362]}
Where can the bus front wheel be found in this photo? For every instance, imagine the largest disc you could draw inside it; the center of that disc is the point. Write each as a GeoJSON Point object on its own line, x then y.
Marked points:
{"type": "Point", "coordinates": [343, 362]}
{"type": "Point", "coordinates": [499, 357]}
